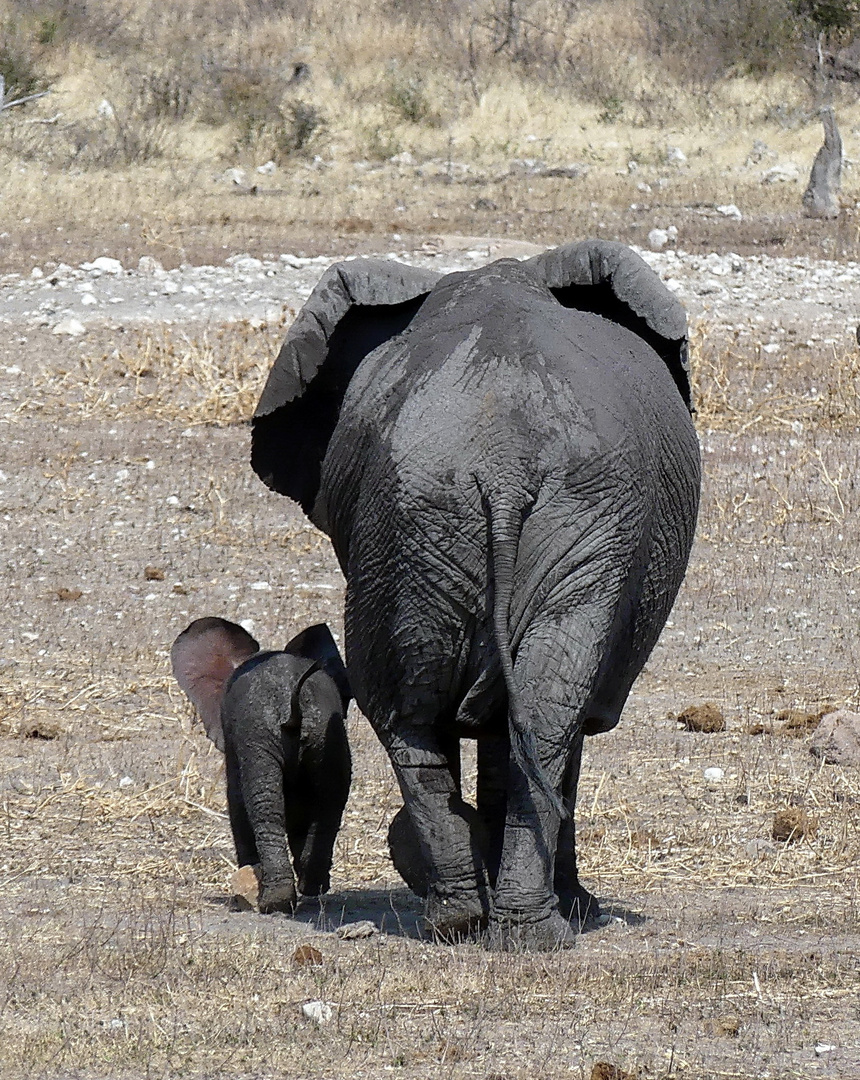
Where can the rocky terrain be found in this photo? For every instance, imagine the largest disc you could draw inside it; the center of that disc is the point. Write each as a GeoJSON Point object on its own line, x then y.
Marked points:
{"type": "Point", "coordinates": [770, 300]}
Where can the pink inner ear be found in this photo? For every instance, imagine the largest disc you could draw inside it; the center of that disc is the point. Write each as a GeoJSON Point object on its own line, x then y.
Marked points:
{"type": "Point", "coordinates": [204, 657]}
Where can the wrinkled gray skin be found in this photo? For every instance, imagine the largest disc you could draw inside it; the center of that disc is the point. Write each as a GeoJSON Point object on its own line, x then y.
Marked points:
{"type": "Point", "coordinates": [506, 464]}
{"type": "Point", "coordinates": [279, 718]}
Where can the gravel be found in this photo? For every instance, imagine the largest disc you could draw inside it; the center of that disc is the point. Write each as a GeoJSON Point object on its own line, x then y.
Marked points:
{"type": "Point", "coordinates": [759, 297]}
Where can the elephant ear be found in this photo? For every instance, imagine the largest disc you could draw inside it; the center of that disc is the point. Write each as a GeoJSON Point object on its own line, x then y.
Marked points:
{"type": "Point", "coordinates": [356, 306]}
{"type": "Point", "coordinates": [611, 280]}
{"type": "Point", "coordinates": [204, 657]}
{"type": "Point", "coordinates": [316, 643]}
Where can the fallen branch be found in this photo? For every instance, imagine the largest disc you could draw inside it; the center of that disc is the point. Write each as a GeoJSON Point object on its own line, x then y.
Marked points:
{"type": "Point", "coordinates": [17, 101]}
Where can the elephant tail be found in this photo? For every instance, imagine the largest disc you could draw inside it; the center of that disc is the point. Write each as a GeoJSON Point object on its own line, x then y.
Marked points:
{"type": "Point", "coordinates": [504, 523]}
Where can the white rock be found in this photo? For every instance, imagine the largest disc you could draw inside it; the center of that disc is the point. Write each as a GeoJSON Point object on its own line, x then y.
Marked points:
{"type": "Point", "coordinates": [676, 155]}
{"type": "Point", "coordinates": [244, 262]}
{"type": "Point", "coordinates": [355, 930]}
{"type": "Point", "coordinates": [126, 782]}
{"type": "Point", "coordinates": [658, 239]}
{"type": "Point", "coordinates": [260, 586]}
{"type": "Point", "coordinates": [787, 172]}
{"type": "Point", "coordinates": [72, 327]}
{"type": "Point", "coordinates": [87, 299]}
{"type": "Point", "coordinates": [729, 210]}
{"type": "Point", "coordinates": [318, 1011]}
{"type": "Point", "coordinates": [104, 265]}
{"type": "Point", "coordinates": [170, 287]}
{"type": "Point", "coordinates": [713, 775]}
{"type": "Point", "coordinates": [267, 169]}
{"type": "Point", "coordinates": [37, 272]}
{"type": "Point", "coordinates": [235, 176]}
{"type": "Point", "coordinates": [105, 110]}
{"type": "Point", "coordinates": [824, 1048]}
{"type": "Point", "coordinates": [149, 266]}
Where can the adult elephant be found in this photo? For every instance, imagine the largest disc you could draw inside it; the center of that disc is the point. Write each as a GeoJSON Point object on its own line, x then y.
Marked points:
{"type": "Point", "coordinates": [506, 464]}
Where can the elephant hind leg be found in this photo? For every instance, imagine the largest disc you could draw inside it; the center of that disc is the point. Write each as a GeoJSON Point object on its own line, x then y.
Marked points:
{"type": "Point", "coordinates": [457, 891]}
{"type": "Point", "coordinates": [575, 902]}
{"type": "Point", "coordinates": [555, 671]}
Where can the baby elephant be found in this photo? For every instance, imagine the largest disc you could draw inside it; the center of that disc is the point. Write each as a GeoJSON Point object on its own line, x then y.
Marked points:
{"type": "Point", "coordinates": [279, 718]}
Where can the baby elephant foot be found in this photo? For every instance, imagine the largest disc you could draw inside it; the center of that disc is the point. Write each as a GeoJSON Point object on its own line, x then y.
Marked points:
{"type": "Point", "coordinates": [515, 933]}
{"type": "Point", "coordinates": [278, 897]}
{"type": "Point", "coordinates": [451, 915]}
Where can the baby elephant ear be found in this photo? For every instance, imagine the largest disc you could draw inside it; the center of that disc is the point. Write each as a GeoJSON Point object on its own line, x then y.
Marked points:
{"type": "Point", "coordinates": [611, 280]}
{"type": "Point", "coordinates": [316, 643]}
{"type": "Point", "coordinates": [356, 306]}
{"type": "Point", "coordinates": [204, 656]}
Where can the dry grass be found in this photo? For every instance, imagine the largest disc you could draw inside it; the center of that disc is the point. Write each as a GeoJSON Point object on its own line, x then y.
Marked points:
{"type": "Point", "coordinates": [194, 376]}
{"type": "Point", "coordinates": [148, 109]}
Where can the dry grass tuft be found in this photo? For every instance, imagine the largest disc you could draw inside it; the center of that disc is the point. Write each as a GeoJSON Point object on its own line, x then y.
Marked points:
{"type": "Point", "coordinates": [206, 376]}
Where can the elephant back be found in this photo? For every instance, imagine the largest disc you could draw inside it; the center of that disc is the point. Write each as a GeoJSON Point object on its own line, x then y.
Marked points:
{"type": "Point", "coordinates": [611, 280]}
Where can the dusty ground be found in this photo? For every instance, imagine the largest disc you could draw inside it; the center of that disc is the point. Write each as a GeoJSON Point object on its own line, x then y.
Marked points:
{"type": "Point", "coordinates": [729, 954]}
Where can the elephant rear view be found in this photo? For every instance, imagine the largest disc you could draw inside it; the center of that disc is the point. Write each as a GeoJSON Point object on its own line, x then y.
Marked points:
{"type": "Point", "coordinates": [279, 718]}
{"type": "Point", "coordinates": [507, 467]}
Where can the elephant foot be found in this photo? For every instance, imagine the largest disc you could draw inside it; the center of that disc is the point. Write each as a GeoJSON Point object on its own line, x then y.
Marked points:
{"type": "Point", "coordinates": [579, 906]}
{"type": "Point", "coordinates": [516, 933]}
{"type": "Point", "coordinates": [280, 897]}
{"type": "Point", "coordinates": [450, 916]}
{"type": "Point", "coordinates": [314, 886]}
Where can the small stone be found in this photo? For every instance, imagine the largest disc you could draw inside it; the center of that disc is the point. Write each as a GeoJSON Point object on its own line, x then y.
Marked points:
{"type": "Point", "coordinates": [355, 930]}
{"type": "Point", "coordinates": [837, 739]}
{"type": "Point", "coordinates": [676, 155]}
{"type": "Point", "coordinates": [729, 210]}
{"type": "Point", "coordinates": [713, 775]}
{"type": "Point", "coordinates": [153, 573]}
{"type": "Point", "coordinates": [126, 782]}
{"type": "Point", "coordinates": [169, 287]}
{"type": "Point", "coordinates": [307, 956]}
{"type": "Point", "coordinates": [824, 1048]}
{"type": "Point", "coordinates": [791, 824]}
{"type": "Point", "coordinates": [104, 265]}
{"type": "Point", "coordinates": [149, 267]}
{"type": "Point", "coordinates": [787, 172]}
{"type": "Point", "coordinates": [705, 718]}
{"type": "Point", "coordinates": [37, 272]}
{"type": "Point", "coordinates": [658, 239]}
{"type": "Point", "coordinates": [267, 169]}
{"type": "Point", "coordinates": [318, 1011]}
{"type": "Point", "coordinates": [245, 888]}
{"type": "Point", "coordinates": [70, 327]}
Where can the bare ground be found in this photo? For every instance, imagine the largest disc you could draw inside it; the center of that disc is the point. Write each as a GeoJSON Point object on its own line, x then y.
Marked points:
{"type": "Point", "coordinates": [728, 955]}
